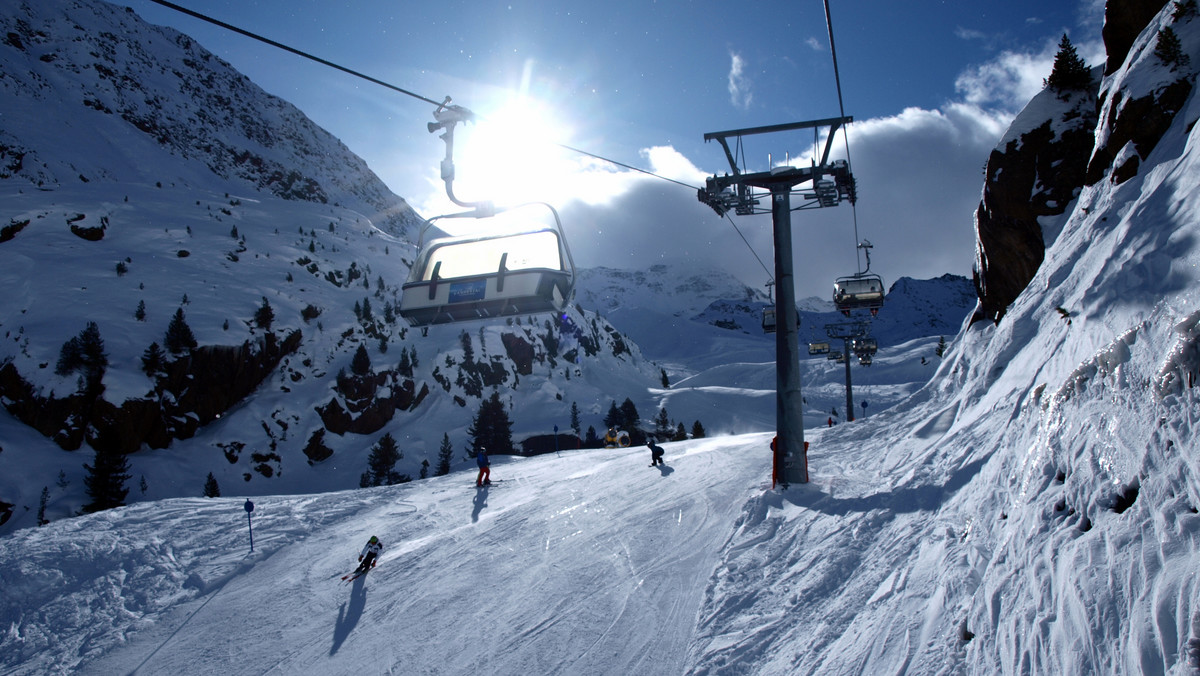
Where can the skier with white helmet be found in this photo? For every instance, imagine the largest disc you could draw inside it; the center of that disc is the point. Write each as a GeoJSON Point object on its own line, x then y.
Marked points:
{"type": "Point", "coordinates": [369, 554]}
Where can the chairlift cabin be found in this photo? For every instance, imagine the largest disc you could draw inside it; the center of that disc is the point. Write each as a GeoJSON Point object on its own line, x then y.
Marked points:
{"type": "Point", "coordinates": [818, 348]}
{"type": "Point", "coordinates": [861, 291]}
{"type": "Point", "coordinates": [864, 359]}
{"type": "Point", "coordinates": [835, 356]}
{"type": "Point", "coordinates": [483, 276]}
{"type": "Point", "coordinates": [865, 346]}
{"type": "Point", "coordinates": [768, 319]}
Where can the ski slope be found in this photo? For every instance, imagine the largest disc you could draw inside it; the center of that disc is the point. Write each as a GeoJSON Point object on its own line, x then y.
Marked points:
{"type": "Point", "coordinates": [587, 563]}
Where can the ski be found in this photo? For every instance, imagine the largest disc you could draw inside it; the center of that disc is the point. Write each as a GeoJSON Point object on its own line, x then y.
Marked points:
{"type": "Point", "coordinates": [352, 576]}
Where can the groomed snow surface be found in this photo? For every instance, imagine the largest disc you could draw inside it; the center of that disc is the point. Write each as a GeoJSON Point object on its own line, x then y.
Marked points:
{"type": "Point", "coordinates": [993, 533]}
{"type": "Point", "coordinates": [589, 562]}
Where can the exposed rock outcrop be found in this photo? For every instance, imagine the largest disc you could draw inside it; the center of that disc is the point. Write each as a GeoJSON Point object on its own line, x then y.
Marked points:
{"type": "Point", "coordinates": [190, 392]}
{"type": "Point", "coordinates": [1124, 20]}
{"type": "Point", "coordinates": [1036, 171]}
{"type": "Point", "coordinates": [365, 403]}
{"type": "Point", "coordinates": [1142, 122]}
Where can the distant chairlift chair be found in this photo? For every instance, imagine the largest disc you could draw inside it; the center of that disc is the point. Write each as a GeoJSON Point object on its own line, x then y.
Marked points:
{"type": "Point", "coordinates": [861, 291]}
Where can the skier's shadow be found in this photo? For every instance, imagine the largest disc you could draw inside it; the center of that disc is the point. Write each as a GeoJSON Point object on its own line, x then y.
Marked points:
{"type": "Point", "coordinates": [348, 617]}
{"type": "Point", "coordinates": [665, 469]}
{"type": "Point", "coordinates": [480, 501]}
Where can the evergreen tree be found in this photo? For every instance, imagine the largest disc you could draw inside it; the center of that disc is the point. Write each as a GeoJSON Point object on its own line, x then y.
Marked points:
{"type": "Point", "coordinates": [613, 418]}
{"type": "Point", "coordinates": [41, 513]}
{"type": "Point", "coordinates": [179, 336]}
{"type": "Point", "coordinates": [153, 360]}
{"type": "Point", "coordinates": [666, 382]}
{"type": "Point", "coordinates": [105, 479]}
{"type": "Point", "coordinates": [662, 424]}
{"type": "Point", "coordinates": [1169, 50]}
{"type": "Point", "coordinates": [468, 351]}
{"type": "Point", "coordinates": [698, 430]}
{"type": "Point", "coordinates": [140, 313]}
{"type": "Point", "coordinates": [680, 433]}
{"type": "Point", "coordinates": [405, 365]}
{"type": "Point", "coordinates": [591, 440]}
{"type": "Point", "coordinates": [629, 415]}
{"type": "Point", "coordinates": [424, 469]}
{"type": "Point", "coordinates": [1182, 9]}
{"type": "Point", "coordinates": [381, 464]}
{"type": "Point", "coordinates": [211, 489]}
{"type": "Point", "coordinates": [366, 310]}
{"type": "Point", "coordinates": [1069, 71]}
{"type": "Point", "coordinates": [264, 316]}
{"type": "Point", "coordinates": [576, 426]}
{"type": "Point", "coordinates": [491, 428]}
{"type": "Point", "coordinates": [360, 365]}
{"type": "Point", "coordinates": [142, 485]}
{"type": "Point", "coordinates": [941, 346]}
{"type": "Point", "coordinates": [445, 454]}
{"type": "Point", "coordinates": [84, 353]}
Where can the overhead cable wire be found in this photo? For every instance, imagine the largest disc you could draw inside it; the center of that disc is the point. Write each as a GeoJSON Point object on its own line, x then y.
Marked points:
{"type": "Point", "coordinates": [293, 50]}
{"type": "Point", "coordinates": [837, 78]}
{"type": "Point", "coordinates": [760, 261]}
{"type": "Point", "coordinates": [368, 78]}
{"type": "Point", "coordinates": [388, 85]}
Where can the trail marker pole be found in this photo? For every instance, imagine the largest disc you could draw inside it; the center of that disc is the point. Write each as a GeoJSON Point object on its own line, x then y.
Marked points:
{"type": "Point", "coordinates": [249, 507]}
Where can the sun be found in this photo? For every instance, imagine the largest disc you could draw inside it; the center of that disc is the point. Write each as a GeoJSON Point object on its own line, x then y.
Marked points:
{"type": "Point", "coordinates": [511, 154]}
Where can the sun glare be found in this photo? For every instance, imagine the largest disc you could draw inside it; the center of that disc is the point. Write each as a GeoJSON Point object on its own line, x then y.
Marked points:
{"type": "Point", "coordinates": [511, 155]}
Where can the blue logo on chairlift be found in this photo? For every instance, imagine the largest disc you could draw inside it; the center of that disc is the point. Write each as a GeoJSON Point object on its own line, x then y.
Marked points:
{"type": "Point", "coordinates": [463, 292]}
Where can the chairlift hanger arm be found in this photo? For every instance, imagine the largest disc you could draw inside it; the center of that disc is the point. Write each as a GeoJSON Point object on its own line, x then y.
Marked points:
{"type": "Point", "coordinates": [447, 117]}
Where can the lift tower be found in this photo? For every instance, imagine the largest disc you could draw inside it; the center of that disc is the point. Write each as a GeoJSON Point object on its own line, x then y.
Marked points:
{"type": "Point", "coordinates": [830, 183]}
{"type": "Point", "coordinates": [848, 332]}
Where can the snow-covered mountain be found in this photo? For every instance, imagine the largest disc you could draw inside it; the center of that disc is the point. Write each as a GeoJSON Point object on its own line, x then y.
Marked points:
{"type": "Point", "coordinates": [143, 177]}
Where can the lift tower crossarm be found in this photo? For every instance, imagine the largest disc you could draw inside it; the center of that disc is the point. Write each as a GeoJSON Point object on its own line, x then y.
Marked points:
{"type": "Point", "coordinates": [834, 123]}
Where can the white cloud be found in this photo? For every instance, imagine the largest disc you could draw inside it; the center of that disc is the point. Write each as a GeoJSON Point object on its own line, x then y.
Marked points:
{"type": "Point", "coordinates": [740, 85]}
{"type": "Point", "coordinates": [919, 172]}
{"type": "Point", "coordinates": [919, 175]}
{"type": "Point", "coordinates": [968, 33]}
{"type": "Point", "coordinates": [1011, 79]}
{"type": "Point", "coordinates": [1008, 81]}
{"type": "Point", "coordinates": [815, 44]}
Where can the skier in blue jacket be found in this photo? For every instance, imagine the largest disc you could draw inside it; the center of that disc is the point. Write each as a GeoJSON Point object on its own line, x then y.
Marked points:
{"type": "Point", "coordinates": [485, 471]}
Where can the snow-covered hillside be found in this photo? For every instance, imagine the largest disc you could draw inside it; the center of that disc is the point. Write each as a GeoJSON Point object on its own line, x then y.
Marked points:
{"type": "Point", "coordinates": [142, 177]}
{"type": "Point", "coordinates": [231, 200]}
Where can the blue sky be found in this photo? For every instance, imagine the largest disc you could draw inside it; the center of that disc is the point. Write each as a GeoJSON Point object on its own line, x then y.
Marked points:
{"type": "Point", "coordinates": [931, 86]}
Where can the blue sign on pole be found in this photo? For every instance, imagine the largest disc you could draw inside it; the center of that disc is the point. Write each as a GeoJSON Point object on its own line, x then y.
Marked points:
{"type": "Point", "coordinates": [249, 507]}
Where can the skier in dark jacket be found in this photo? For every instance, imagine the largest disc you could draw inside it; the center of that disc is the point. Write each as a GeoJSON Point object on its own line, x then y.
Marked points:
{"type": "Point", "coordinates": [656, 453]}
{"type": "Point", "coordinates": [485, 471]}
{"type": "Point", "coordinates": [370, 552]}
